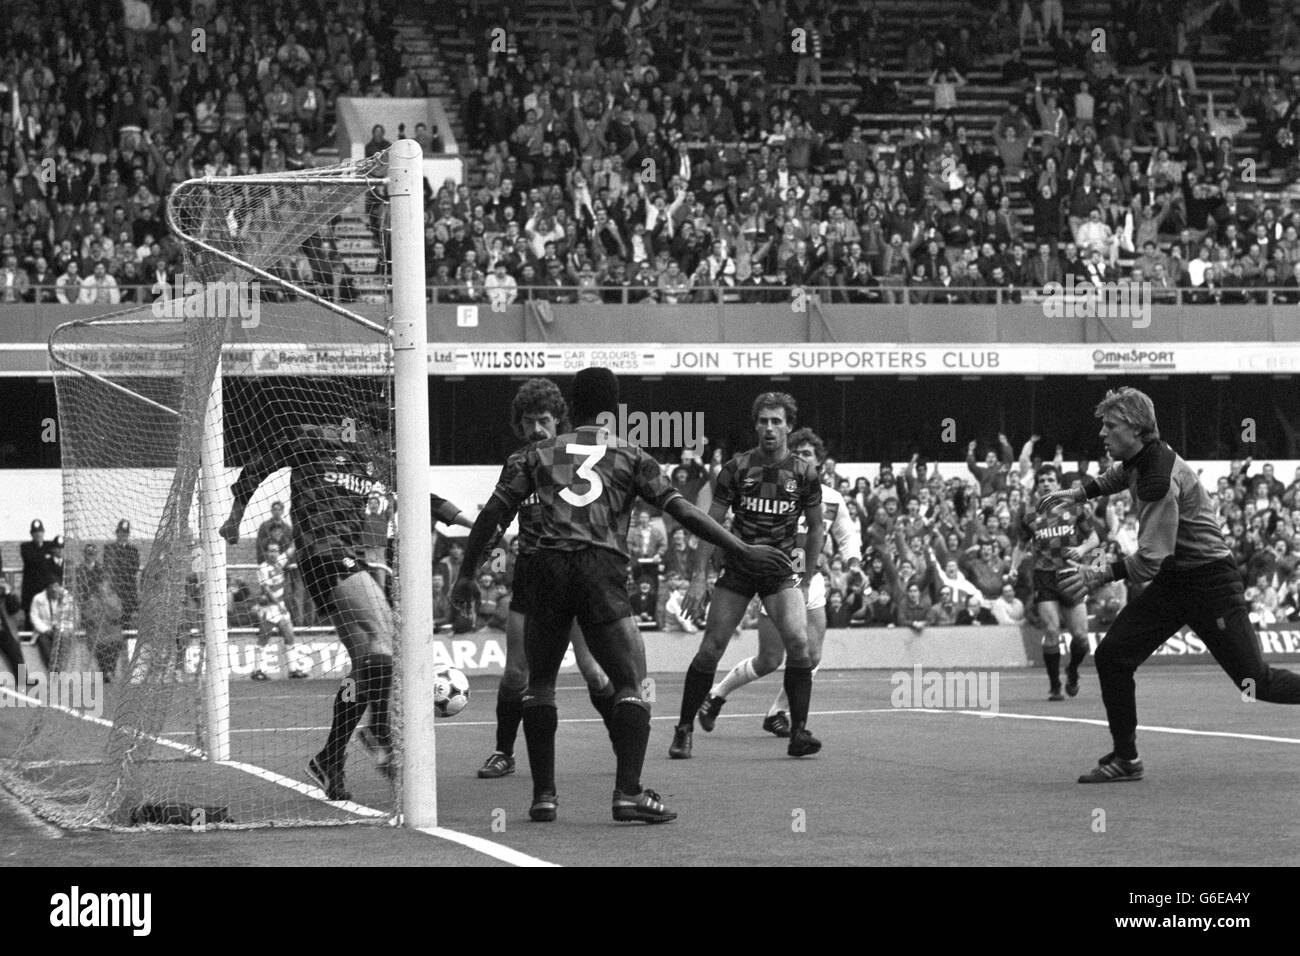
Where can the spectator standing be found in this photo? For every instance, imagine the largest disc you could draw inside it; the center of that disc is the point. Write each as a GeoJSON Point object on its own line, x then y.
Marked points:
{"type": "Point", "coordinates": [272, 613]}
{"type": "Point", "coordinates": [39, 566]}
{"type": "Point", "coordinates": [122, 568]}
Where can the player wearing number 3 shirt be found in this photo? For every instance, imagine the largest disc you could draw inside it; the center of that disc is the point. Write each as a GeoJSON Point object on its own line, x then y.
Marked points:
{"type": "Point", "coordinates": [586, 482]}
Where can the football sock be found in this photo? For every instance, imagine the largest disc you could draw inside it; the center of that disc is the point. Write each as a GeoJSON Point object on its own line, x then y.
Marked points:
{"type": "Point", "coordinates": [1052, 661]}
{"type": "Point", "coordinates": [798, 688]}
{"type": "Point", "coordinates": [629, 727]}
{"type": "Point", "coordinates": [1078, 651]}
{"type": "Point", "coordinates": [259, 658]}
{"type": "Point", "coordinates": [782, 702]}
{"type": "Point", "coordinates": [510, 711]}
{"type": "Point", "coordinates": [348, 708]}
{"type": "Point", "coordinates": [539, 734]}
{"type": "Point", "coordinates": [697, 687]}
{"type": "Point", "coordinates": [736, 678]}
{"type": "Point", "coordinates": [378, 693]}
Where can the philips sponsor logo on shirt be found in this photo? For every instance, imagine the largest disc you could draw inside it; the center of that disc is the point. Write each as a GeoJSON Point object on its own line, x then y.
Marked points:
{"type": "Point", "coordinates": [767, 506]}
{"type": "Point", "coordinates": [353, 483]}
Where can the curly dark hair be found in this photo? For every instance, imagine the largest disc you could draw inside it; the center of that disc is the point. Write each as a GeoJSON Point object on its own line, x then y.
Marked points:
{"type": "Point", "coordinates": [775, 400]}
{"type": "Point", "coordinates": [535, 396]}
{"type": "Point", "coordinates": [806, 436]}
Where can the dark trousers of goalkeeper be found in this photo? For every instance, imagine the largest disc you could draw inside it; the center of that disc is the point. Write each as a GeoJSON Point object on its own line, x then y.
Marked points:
{"type": "Point", "coordinates": [1210, 600]}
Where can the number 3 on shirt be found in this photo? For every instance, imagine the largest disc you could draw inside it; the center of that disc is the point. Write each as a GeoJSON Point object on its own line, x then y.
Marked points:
{"type": "Point", "coordinates": [586, 471]}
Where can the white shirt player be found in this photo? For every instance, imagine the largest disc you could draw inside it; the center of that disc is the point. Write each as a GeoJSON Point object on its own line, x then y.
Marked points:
{"type": "Point", "coordinates": [270, 577]}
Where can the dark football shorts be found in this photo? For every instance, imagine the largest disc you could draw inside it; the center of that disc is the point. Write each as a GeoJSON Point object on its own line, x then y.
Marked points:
{"type": "Point", "coordinates": [521, 583]}
{"type": "Point", "coordinates": [747, 585]}
{"type": "Point", "coordinates": [1046, 588]}
{"type": "Point", "coordinates": [589, 584]}
{"type": "Point", "coordinates": [320, 572]}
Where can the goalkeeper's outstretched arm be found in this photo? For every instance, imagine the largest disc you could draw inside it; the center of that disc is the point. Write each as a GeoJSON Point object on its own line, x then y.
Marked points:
{"type": "Point", "coordinates": [250, 476]}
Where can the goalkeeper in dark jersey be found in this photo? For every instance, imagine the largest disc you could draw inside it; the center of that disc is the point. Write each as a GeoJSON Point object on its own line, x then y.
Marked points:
{"type": "Point", "coordinates": [586, 482]}
{"type": "Point", "coordinates": [537, 413]}
{"type": "Point", "coordinates": [331, 477]}
{"type": "Point", "coordinates": [1057, 540]}
{"type": "Point", "coordinates": [1194, 580]}
{"type": "Point", "coordinates": [767, 489]}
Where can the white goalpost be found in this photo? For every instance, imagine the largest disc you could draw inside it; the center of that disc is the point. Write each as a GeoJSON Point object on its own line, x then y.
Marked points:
{"type": "Point", "coordinates": [410, 342]}
{"type": "Point", "coordinates": [160, 410]}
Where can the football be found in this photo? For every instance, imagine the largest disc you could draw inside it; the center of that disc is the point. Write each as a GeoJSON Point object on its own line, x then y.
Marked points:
{"type": "Point", "coordinates": [450, 691]}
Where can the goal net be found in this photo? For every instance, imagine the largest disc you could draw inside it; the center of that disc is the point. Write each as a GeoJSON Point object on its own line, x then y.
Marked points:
{"type": "Point", "coordinates": [191, 681]}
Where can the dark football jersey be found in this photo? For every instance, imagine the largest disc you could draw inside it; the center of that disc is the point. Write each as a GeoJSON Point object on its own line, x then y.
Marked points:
{"type": "Point", "coordinates": [530, 511]}
{"type": "Point", "coordinates": [585, 483]}
{"type": "Point", "coordinates": [329, 482]}
{"type": "Point", "coordinates": [1051, 535]}
{"type": "Point", "coordinates": [767, 500]}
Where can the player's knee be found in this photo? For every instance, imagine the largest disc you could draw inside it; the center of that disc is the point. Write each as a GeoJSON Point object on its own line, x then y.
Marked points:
{"type": "Point", "coordinates": [591, 672]}
{"type": "Point", "coordinates": [797, 656]}
{"type": "Point", "coordinates": [515, 676]}
{"type": "Point", "coordinates": [707, 657]}
{"type": "Point", "coordinates": [1108, 660]}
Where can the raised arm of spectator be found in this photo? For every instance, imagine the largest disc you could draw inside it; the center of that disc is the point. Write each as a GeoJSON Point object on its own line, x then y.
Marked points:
{"type": "Point", "coordinates": [1026, 455]}
{"type": "Point", "coordinates": [976, 470]}
{"type": "Point", "coordinates": [1006, 453]}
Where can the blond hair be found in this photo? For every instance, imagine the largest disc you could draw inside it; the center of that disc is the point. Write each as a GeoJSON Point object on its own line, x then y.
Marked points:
{"type": "Point", "coordinates": [1133, 408]}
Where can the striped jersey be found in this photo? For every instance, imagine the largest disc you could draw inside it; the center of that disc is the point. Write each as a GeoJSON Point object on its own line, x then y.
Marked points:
{"type": "Point", "coordinates": [585, 483]}
{"type": "Point", "coordinates": [767, 499]}
{"type": "Point", "coordinates": [270, 578]}
{"type": "Point", "coordinates": [330, 480]}
{"type": "Point", "coordinates": [530, 510]}
{"type": "Point", "coordinates": [1052, 535]}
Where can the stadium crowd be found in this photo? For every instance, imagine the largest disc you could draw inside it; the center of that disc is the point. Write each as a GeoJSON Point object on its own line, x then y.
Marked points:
{"type": "Point", "coordinates": [106, 107]}
{"type": "Point", "coordinates": [630, 163]}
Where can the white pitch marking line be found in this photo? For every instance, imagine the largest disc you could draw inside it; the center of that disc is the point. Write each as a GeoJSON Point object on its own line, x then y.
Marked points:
{"type": "Point", "coordinates": [1101, 723]}
{"type": "Point", "coordinates": [487, 847]}
{"type": "Point", "coordinates": [452, 724]}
